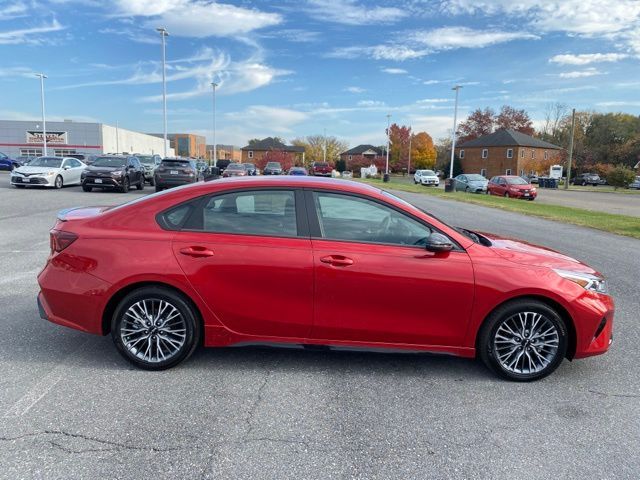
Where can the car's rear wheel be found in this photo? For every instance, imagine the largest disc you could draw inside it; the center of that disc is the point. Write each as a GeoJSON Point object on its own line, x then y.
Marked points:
{"type": "Point", "coordinates": [506, 194]}
{"type": "Point", "coordinates": [86, 188]}
{"type": "Point", "coordinates": [158, 188]}
{"type": "Point", "coordinates": [523, 340]}
{"type": "Point", "coordinates": [140, 185]}
{"type": "Point", "coordinates": [155, 328]}
{"type": "Point", "coordinates": [58, 182]}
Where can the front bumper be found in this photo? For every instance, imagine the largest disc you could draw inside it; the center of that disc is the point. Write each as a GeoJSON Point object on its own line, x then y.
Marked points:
{"type": "Point", "coordinates": [43, 181]}
{"type": "Point", "coordinates": [102, 182]}
{"type": "Point", "coordinates": [425, 181]}
{"type": "Point", "coordinates": [593, 318]}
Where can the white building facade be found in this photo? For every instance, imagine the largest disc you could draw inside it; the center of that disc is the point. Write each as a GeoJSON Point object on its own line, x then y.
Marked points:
{"type": "Point", "coordinates": [25, 138]}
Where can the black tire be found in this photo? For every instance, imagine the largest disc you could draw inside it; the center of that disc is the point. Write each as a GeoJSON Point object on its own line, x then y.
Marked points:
{"type": "Point", "coordinates": [584, 184]}
{"type": "Point", "coordinates": [86, 188]}
{"type": "Point", "coordinates": [506, 194]}
{"type": "Point", "coordinates": [58, 182]}
{"type": "Point", "coordinates": [152, 182]}
{"type": "Point", "coordinates": [140, 185]}
{"type": "Point", "coordinates": [125, 185]}
{"type": "Point", "coordinates": [487, 335]}
{"type": "Point", "coordinates": [191, 326]}
{"type": "Point", "coordinates": [466, 190]}
{"type": "Point", "coordinates": [158, 188]}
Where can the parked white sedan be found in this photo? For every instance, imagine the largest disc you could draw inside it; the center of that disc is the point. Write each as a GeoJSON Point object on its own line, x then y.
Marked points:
{"type": "Point", "coordinates": [48, 172]}
{"type": "Point", "coordinates": [426, 177]}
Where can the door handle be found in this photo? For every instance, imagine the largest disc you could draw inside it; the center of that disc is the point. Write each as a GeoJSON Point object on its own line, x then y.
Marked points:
{"type": "Point", "coordinates": [197, 252]}
{"type": "Point", "coordinates": [337, 260]}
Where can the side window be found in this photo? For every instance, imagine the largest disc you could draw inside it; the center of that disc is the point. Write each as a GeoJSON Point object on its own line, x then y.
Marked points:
{"type": "Point", "coordinates": [345, 217]}
{"type": "Point", "coordinates": [509, 152]}
{"type": "Point", "coordinates": [485, 153]}
{"type": "Point", "coordinates": [74, 163]}
{"type": "Point", "coordinates": [174, 218]}
{"type": "Point", "coordinates": [266, 212]}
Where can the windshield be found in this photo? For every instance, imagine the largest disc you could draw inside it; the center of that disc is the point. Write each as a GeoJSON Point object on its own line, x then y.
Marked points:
{"type": "Point", "coordinates": [476, 178]}
{"type": "Point", "coordinates": [249, 166]}
{"type": "Point", "coordinates": [46, 162]}
{"type": "Point", "coordinates": [235, 166]}
{"type": "Point", "coordinates": [321, 164]}
{"type": "Point", "coordinates": [273, 165]}
{"type": "Point", "coordinates": [109, 162]}
{"type": "Point", "coordinates": [146, 159]}
{"type": "Point", "coordinates": [429, 173]}
{"type": "Point", "coordinates": [517, 181]}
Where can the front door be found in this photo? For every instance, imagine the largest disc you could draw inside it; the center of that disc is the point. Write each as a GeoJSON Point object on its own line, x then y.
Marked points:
{"type": "Point", "coordinates": [376, 283]}
{"type": "Point", "coordinates": [247, 256]}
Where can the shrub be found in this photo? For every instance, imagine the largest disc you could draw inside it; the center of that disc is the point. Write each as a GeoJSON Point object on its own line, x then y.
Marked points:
{"type": "Point", "coordinates": [620, 176]}
{"type": "Point", "coordinates": [341, 165]}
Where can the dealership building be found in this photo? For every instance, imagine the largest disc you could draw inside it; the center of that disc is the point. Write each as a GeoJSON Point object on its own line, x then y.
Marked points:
{"type": "Point", "coordinates": [25, 138]}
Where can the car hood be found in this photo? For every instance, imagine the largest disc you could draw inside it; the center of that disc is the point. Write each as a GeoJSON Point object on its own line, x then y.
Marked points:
{"type": "Point", "coordinates": [28, 169]}
{"type": "Point", "coordinates": [525, 253]}
{"type": "Point", "coordinates": [521, 187]}
{"type": "Point", "coordinates": [104, 169]}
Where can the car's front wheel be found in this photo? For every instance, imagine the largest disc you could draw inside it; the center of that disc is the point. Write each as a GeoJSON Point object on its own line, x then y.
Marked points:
{"type": "Point", "coordinates": [140, 185]}
{"type": "Point", "coordinates": [523, 340]}
{"type": "Point", "coordinates": [58, 182]}
{"type": "Point", "coordinates": [155, 328]}
{"type": "Point", "coordinates": [125, 185]}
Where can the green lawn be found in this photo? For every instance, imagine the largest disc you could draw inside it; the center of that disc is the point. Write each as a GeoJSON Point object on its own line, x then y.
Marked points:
{"type": "Point", "coordinates": [619, 224]}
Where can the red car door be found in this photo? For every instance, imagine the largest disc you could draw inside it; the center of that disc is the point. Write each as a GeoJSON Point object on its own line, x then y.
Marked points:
{"type": "Point", "coordinates": [375, 283]}
{"type": "Point", "coordinates": [244, 254]}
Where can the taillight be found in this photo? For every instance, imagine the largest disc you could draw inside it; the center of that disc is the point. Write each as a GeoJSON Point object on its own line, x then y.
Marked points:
{"type": "Point", "coordinates": [59, 240]}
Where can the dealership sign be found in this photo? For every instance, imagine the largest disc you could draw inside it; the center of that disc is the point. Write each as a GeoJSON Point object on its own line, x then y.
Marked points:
{"type": "Point", "coordinates": [54, 138]}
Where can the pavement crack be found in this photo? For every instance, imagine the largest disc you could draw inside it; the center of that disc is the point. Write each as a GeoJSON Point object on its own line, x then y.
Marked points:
{"type": "Point", "coordinates": [618, 395]}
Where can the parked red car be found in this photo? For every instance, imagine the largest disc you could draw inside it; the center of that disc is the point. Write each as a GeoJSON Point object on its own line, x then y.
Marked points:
{"type": "Point", "coordinates": [167, 272]}
{"type": "Point", "coordinates": [321, 169]}
{"type": "Point", "coordinates": [512, 186]}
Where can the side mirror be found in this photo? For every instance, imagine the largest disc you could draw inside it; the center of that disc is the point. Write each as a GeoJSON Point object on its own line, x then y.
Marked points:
{"type": "Point", "coordinates": [66, 167]}
{"type": "Point", "coordinates": [438, 243]}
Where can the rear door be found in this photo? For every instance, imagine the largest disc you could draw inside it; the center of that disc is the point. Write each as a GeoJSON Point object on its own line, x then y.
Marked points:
{"type": "Point", "coordinates": [248, 255]}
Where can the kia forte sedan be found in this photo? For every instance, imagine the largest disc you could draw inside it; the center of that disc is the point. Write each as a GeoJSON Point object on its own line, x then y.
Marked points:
{"type": "Point", "coordinates": [171, 271]}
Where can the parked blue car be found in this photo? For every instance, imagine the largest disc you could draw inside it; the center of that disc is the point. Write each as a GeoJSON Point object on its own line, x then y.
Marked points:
{"type": "Point", "coordinates": [7, 163]}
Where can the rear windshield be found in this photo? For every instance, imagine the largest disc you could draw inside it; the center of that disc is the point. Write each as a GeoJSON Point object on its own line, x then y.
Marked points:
{"type": "Point", "coordinates": [109, 162]}
{"type": "Point", "coordinates": [176, 163]}
{"type": "Point", "coordinates": [321, 164]}
{"type": "Point", "coordinates": [235, 166]}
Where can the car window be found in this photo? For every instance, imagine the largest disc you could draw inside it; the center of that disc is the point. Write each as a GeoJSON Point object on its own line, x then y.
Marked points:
{"type": "Point", "coordinates": [265, 212]}
{"type": "Point", "coordinates": [345, 217]}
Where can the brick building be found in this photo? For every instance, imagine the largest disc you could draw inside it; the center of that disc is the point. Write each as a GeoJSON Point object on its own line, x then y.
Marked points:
{"type": "Point", "coordinates": [186, 145]}
{"type": "Point", "coordinates": [363, 153]}
{"type": "Point", "coordinates": [253, 153]}
{"type": "Point", "coordinates": [505, 152]}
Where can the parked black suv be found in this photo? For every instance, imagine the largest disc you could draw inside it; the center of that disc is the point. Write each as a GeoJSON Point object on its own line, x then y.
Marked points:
{"type": "Point", "coordinates": [272, 168]}
{"type": "Point", "coordinates": [175, 171]}
{"type": "Point", "coordinates": [118, 172]}
{"type": "Point", "coordinates": [587, 179]}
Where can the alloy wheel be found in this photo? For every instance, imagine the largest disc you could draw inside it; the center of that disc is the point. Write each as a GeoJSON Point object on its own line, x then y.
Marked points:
{"type": "Point", "coordinates": [526, 343]}
{"type": "Point", "coordinates": [153, 330]}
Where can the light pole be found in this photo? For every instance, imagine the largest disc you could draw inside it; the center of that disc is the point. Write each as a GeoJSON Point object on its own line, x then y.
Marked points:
{"type": "Point", "coordinates": [453, 137]}
{"type": "Point", "coordinates": [409, 165]}
{"type": "Point", "coordinates": [573, 130]}
{"type": "Point", "coordinates": [324, 147]}
{"type": "Point", "coordinates": [44, 120]}
{"type": "Point", "coordinates": [386, 169]}
{"type": "Point", "coordinates": [215, 148]}
{"type": "Point", "coordinates": [164, 33]}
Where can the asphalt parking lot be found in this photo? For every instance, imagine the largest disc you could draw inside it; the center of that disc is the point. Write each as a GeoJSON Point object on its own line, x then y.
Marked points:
{"type": "Point", "coordinates": [70, 407]}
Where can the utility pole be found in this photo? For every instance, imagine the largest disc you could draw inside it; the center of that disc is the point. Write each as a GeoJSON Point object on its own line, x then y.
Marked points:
{"type": "Point", "coordinates": [44, 119]}
{"type": "Point", "coordinates": [453, 137]}
{"type": "Point", "coordinates": [386, 171]}
{"type": "Point", "coordinates": [215, 148]}
{"type": "Point", "coordinates": [117, 138]}
{"type": "Point", "coordinates": [409, 165]}
{"type": "Point", "coordinates": [573, 129]}
{"type": "Point", "coordinates": [164, 34]}
{"type": "Point", "coordinates": [324, 147]}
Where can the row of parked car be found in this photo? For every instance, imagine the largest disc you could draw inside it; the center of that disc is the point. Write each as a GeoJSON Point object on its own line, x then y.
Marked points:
{"type": "Point", "coordinates": [502, 185]}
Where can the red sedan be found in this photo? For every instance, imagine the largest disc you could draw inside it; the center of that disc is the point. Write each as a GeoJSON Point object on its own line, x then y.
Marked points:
{"type": "Point", "coordinates": [256, 260]}
{"type": "Point", "coordinates": [511, 186]}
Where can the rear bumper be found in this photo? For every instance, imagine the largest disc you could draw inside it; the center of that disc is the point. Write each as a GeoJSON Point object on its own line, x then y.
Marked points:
{"type": "Point", "coordinates": [71, 297]}
{"type": "Point", "coordinates": [173, 181]}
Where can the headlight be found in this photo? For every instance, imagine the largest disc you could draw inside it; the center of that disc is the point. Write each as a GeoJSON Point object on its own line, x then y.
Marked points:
{"type": "Point", "coordinates": [50, 174]}
{"type": "Point", "coordinates": [534, 190]}
{"type": "Point", "coordinates": [585, 280]}
{"type": "Point", "coordinates": [116, 174]}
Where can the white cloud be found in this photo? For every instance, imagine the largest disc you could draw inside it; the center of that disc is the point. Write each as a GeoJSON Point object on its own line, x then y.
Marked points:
{"type": "Point", "coordinates": [431, 82]}
{"type": "Point", "coordinates": [379, 52]}
{"type": "Point", "coordinates": [587, 58]}
{"type": "Point", "coordinates": [371, 103]}
{"type": "Point", "coordinates": [588, 72]}
{"type": "Point", "coordinates": [395, 71]}
{"type": "Point", "coordinates": [349, 12]}
{"type": "Point", "coordinates": [448, 38]}
{"type": "Point", "coordinates": [434, 100]}
{"type": "Point", "coordinates": [29, 35]}
{"type": "Point", "coordinates": [14, 10]}
{"type": "Point", "coordinates": [198, 18]}
{"type": "Point", "coordinates": [355, 90]}
{"type": "Point", "coordinates": [296, 35]}
{"type": "Point", "coordinates": [8, 72]}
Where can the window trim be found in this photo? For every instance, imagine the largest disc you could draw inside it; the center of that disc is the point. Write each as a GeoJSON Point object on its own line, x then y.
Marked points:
{"type": "Point", "coordinates": [461, 154]}
{"type": "Point", "coordinates": [508, 171]}
{"type": "Point", "coordinates": [485, 172]}
{"type": "Point", "coordinates": [302, 223]}
{"type": "Point", "coordinates": [316, 233]}
{"type": "Point", "coordinates": [485, 153]}
{"type": "Point", "coordinates": [250, 154]}
{"type": "Point", "coordinates": [509, 152]}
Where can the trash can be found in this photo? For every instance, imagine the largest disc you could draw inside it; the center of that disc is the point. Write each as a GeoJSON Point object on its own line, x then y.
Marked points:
{"type": "Point", "coordinates": [385, 178]}
{"type": "Point", "coordinates": [553, 183]}
{"type": "Point", "coordinates": [448, 185]}
{"type": "Point", "coordinates": [542, 182]}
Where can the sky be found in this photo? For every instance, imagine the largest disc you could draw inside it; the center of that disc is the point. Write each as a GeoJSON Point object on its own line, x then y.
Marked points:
{"type": "Point", "coordinates": [301, 67]}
